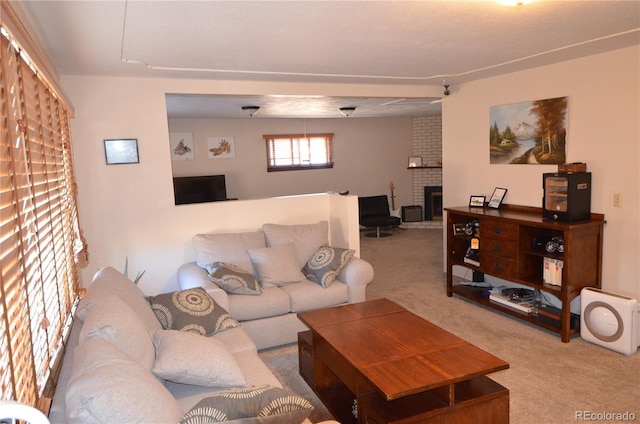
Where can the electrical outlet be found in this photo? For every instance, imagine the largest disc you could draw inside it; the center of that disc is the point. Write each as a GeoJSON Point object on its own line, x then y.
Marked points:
{"type": "Point", "coordinates": [617, 200]}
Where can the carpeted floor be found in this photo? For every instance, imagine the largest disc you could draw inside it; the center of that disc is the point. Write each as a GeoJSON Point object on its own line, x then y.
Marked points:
{"type": "Point", "coordinates": [549, 381]}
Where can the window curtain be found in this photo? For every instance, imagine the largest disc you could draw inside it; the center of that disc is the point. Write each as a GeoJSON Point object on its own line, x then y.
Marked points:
{"type": "Point", "coordinates": [41, 242]}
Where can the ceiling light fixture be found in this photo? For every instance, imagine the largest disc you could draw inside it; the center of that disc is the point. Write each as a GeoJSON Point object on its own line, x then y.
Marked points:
{"type": "Point", "coordinates": [346, 111]}
{"type": "Point", "coordinates": [251, 110]}
{"type": "Point", "coordinates": [517, 3]}
{"type": "Point", "coordinates": [446, 90]}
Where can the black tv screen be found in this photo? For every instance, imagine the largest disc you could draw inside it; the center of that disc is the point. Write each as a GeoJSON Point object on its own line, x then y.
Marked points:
{"type": "Point", "coordinates": [200, 189]}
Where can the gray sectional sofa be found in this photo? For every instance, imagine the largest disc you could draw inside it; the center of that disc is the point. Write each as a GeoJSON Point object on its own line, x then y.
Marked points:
{"type": "Point", "coordinates": [191, 356]}
{"type": "Point", "coordinates": [122, 366]}
{"type": "Point", "coordinates": [295, 268]}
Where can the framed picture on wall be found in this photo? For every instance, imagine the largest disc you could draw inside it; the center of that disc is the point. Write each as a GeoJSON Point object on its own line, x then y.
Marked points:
{"type": "Point", "coordinates": [121, 151]}
{"type": "Point", "coordinates": [181, 145]}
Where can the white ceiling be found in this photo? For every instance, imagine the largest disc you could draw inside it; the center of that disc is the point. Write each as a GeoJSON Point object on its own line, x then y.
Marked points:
{"type": "Point", "coordinates": [422, 43]}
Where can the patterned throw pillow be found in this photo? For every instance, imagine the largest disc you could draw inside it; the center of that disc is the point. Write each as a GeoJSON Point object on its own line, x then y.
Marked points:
{"type": "Point", "coordinates": [325, 265]}
{"type": "Point", "coordinates": [233, 279]}
{"type": "Point", "coordinates": [254, 404]}
{"type": "Point", "coordinates": [191, 310]}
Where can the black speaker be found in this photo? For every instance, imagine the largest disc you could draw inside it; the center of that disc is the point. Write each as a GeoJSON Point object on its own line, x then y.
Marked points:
{"type": "Point", "coordinates": [412, 213]}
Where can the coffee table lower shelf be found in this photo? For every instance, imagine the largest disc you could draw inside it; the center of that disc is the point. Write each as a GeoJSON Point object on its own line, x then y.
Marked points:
{"type": "Point", "coordinates": [479, 400]}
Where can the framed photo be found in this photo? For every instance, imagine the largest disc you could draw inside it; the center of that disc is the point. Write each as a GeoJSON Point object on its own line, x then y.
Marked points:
{"type": "Point", "coordinates": [121, 150]}
{"type": "Point", "coordinates": [459, 229]}
{"type": "Point", "coordinates": [415, 161]}
{"type": "Point", "coordinates": [476, 201]}
{"type": "Point", "coordinates": [496, 197]}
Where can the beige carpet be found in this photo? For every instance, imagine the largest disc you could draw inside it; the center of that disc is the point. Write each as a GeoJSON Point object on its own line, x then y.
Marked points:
{"type": "Point", "coordinates": [549, 381]}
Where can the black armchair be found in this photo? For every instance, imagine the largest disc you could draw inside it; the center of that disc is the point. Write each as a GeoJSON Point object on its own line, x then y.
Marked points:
{"type": "Point", "coordinates": [374, 212]}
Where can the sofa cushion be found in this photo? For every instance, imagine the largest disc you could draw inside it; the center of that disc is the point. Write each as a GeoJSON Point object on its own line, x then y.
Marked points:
{"type": "Point", "coordinates": [273, 301]}
{"type": "Point", "coordinates": [261, 404]}
{"type": "Point", "coordinates": [227, 247]}
{"type": "Point", "coordinates": [108, 281]}
{"type": "Point", "coordinates": [306, 295]}
{"type": "Point", "coordinates": [233, 279]}
{"type": "Point", "coordinates": [113, 321]}
{"type": "Point", "coordinates": [306, 238]}
{"type": "Point", "coordinates": [276, 266]}
{"type": "Point", "coordinates": [326, 263]}
{"type": "Point", "coordinates": [107, 386]}
{"type": "Point", "coordinates": [189, 358]}
{"type": "Point", "coordinates": [191, 310]}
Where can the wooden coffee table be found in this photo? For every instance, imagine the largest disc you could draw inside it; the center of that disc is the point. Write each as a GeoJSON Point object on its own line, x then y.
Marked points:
{"type": "Point", "coordinates": [376, 362]}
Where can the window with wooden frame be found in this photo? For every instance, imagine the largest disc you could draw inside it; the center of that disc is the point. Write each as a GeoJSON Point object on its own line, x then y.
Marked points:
{"type": "Point", "coordinates": [41, 243]}
{"type": "Point", "coordinates": [288, 152]}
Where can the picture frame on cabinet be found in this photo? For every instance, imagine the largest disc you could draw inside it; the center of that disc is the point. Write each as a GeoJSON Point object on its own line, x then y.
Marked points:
{"type": "Point", "coordinates": [497, 197]}
{"type": "Point", "coordinates": [476, 201]}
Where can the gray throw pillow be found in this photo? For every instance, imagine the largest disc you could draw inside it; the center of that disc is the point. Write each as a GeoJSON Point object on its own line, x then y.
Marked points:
{"type": "Point", "coordinates": [326, 263]}
{"type": "Point", "coordinates": [233, 279]}
{"type": "Point", "coordinates": [191, 310]}
{"type": "Point", "coordinates": [250, 405]}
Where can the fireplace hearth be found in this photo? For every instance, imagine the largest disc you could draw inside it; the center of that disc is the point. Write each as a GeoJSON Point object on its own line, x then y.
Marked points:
{"type": "Point", "coordinates": [433, 203]}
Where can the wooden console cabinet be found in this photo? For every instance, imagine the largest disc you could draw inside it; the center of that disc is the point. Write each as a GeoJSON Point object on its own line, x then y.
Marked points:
{"type": "Point", "coordinates": [511, 247]}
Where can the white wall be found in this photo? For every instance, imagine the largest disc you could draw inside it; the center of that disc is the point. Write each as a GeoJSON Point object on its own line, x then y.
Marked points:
{"type": "Point", "coordinates": [603, 130]}
{"type": "Point", "coordinates": [128, 210]}
{"type": "Point", "coordinates": [368, 154]}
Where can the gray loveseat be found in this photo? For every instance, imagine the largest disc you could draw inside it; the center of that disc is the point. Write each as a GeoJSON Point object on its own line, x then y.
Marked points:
{"type": "Point", "coordinates": [122, 366]}
{"type": "Point", "coordinates": [295, 268]}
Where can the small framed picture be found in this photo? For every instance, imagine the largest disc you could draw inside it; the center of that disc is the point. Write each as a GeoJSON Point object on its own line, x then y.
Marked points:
{"type": "Point", "coordinates": [121, 150]}
{"type": "Point", "coordinates": [476, 201]}
{"type": "Point", "coordinates": [415, 161]}
{"type": "Point", "coordinates": [497, 197]}
{"type": "Point", "coordinates": [459, 229]}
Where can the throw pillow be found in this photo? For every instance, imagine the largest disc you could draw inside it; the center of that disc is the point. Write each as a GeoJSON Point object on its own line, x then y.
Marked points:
{"type": "Point", "coordinates": [189, 358]}
{"type": "Point", "coordinates": [227, 247]}
{"type": "Point", "coordinates": [109, 281]}
{"type": "Point", "coordinates": [115, 322]}
{"type": "Point", "coordinates": [276, 266]}
{"type": "Point", "coordinates": [264, 404]}
{"type": "Point", "coordinates": [306, 238]}
{"type": "Point", "coordinates": [191, 310]}
{"type": "Point", "coordinates": [325, 265]}
{"type": "Point", "coordinates": [108, 386]}
{"type": "Point", "coordinates": [233, 279]}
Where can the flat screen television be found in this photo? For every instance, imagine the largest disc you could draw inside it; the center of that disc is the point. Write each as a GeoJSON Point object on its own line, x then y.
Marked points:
{"type": "Point", "coordinates": [200, 189]}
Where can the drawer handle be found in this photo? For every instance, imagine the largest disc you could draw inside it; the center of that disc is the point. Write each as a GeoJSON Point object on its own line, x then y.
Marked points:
{"type": "Point", "coordinates": [497, 267]}
{"type": "Point", "coordinates": [306, 352]}
{"type": "Point", "coordinates": [497, 248]}
{"type": "Point", "coordinates": [497, 230]}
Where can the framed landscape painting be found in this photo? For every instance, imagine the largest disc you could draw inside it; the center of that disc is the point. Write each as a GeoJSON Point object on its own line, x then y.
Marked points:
{"type": "Point", "coordinates": [531, 133]}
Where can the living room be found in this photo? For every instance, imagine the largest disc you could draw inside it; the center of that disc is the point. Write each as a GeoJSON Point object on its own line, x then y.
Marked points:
{"type": "Point", "coordinates": [128, 211]}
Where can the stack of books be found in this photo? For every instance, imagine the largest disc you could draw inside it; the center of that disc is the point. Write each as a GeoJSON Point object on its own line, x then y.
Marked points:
{"type": "Point", "coordinates": [552, 271]}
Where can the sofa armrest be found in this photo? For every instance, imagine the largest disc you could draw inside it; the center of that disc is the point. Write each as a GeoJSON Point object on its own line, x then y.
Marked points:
{"type": "Point", "coordinates": [191, 275]}
{"type": "Point", "coordinates": [356, 274]}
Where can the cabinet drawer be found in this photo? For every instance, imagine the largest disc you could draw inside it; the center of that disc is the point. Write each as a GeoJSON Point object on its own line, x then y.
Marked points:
{"type": "Point", "coordinates": [498, 229]}
{"type": "Point", "coordinates": [498, 266]}
{"type": "Point", "coordinates": [506, 249]}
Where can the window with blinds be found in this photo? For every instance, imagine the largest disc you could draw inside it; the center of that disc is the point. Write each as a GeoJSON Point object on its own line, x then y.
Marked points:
{"type": "Point", "coordinates": [286, 152]}
{"type": "Point", "coordinates": [41, 244]}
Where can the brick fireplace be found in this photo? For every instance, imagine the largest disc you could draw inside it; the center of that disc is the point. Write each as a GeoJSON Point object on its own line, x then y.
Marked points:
{"type": "Point", "coordinates": [427, 143]}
